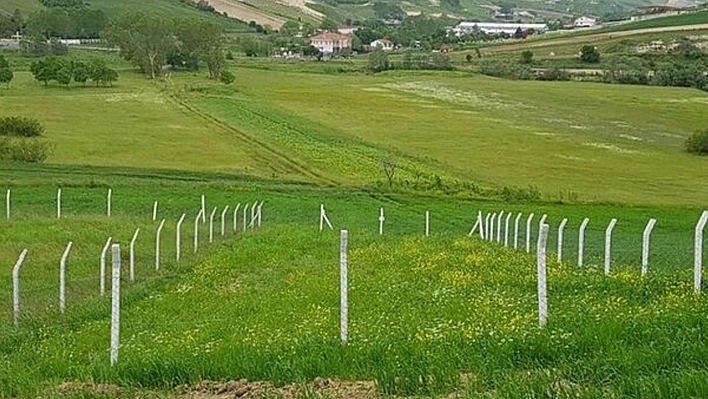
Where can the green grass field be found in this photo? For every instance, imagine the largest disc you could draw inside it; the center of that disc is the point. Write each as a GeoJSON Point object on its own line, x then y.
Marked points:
{"type": "Point", "coordinates": [429, 316]}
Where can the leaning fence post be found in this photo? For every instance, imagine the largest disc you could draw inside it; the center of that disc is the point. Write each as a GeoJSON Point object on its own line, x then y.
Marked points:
{"type": "Point", "coordinates": [581, 240]}
{"type": "Point", "coordinates": [59, 203]}
{"type": "Point", "coordinates": [223, 220]}
{"type": "Point", "coordinates": [561, 231]}
{"type": "Point", "coordinates": [109, 199]}
{"type": "Point", "coordinates": [62, 277]}
{"type": "Point", "coordinates": [698, 260]}
{"type": "Point", "coordinates": [645, 246]}
{"type": "Point", "coordinates": [196, 231]}
{"type": "Point", "coordinates": [132, 254]}
{"type": "Point", "coordinates": [236, 217]}
{"type": "Point", "coordinates": [115, 305]}
{"type": "Point", "coordinates": [528, 233]}
{"type": "Point", "coordinates": [16, 286]}
{"type": "Point", "coordinates": [516, 230]}
{"type": "Point", "coordinates": [211, 225]}
{"type": "Point", "coordinates": [103, 265]}
{"type": "Point", "coordinates": [541, 261]}
{"type": "Point", "coordinates": [382, 218]}
{"type": "Point", "coordinates": [178, 237]}
{"type": "Point", "coordinates": [343, 284]}
{"type": "Point", "coordinates": [158, 240]}
{"type": "Point", "coordinates": [608, 245]}
{"type": "Point", "coordinates": [7, 204]}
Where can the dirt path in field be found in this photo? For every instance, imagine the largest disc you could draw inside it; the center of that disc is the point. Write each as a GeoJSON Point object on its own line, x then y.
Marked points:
{"type": "Point", "coordinates": [246, 13]}
{"type": "Point", "coordinates": [590, 38]}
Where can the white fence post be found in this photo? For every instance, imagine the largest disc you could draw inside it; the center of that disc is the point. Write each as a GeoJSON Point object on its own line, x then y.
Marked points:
{"type": "Point", "coordinates": [103, 265]}
{"type": "Point", "coordinates": [516, 230]}
{"type": "Point", "coordinates": [528, 233]}
{"type": "Point", "coordinates": [245, 217]}
{"type": "Point", "coordinates": [203, 209]}
{"type": "Point", "coordinates": [506, 229]}
{"type": "Point", "coordinates": [645, 246]}
{"type": "Point", "coordinates": [608, 245]}
{"type": "Point", "coordinates": [211, 225]}
{"type": "Point", "coordinates": [561, 232]}
{"type": "Point", "coordinates": [581, 240]}
{"type": "Point", "coordinates": [158, 241]}
{"type": "Point", "coordinates": [259, 215]}
{"type": "Point", "coordinates": [254, 208]}
{"type": "Point", "coordinates": [196, 231]}
{"type": "Point", "coordinates": [478, 226]}
{"type": "Point", "coordinates": [236, 217]}
{"type": "Point", "coordinates": [492, 226]}
{"type": "Point", "coordinates": [541, 261]}
{"type": "Point", "coordinates": [132, 254]}
{"type": "Point", "coordinates": [698, 254]}
{"type": "Point", "coordinates": [59, 203]}
{"type": "Point", "coordinates": [62, 277]}
{"type": "Point", "coordinates": [178, 237]}
{"type": "Point", "coordinates": [115, 305]}
{"type": "Point", "coordinates": [499, 225]}
{"type": "Point", "coordinates": [16, 286]}
{"type": "Point", "coordinates": [427, 223]}
{"type": "Point", "coordinates": [344, 288]}
{"type": "Point", "coordinates": [223, 220]}
{"type": "Point", "coordinates": [154, 211]}
{"type": "Point", "coordinates": [382, 218]}
{"type": "Point", "coordinates": [323, 219]}
{"type": "Point", "coordinates": [109, 199]}
{"type": "Point", "coordinates": [7, 204]}
{"type": "Point", "coordinates": [486, 226]}
{"type": "Point", "coordinates": [542, 221]}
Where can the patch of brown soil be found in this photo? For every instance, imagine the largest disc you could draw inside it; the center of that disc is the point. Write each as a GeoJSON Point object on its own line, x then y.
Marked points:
{"type": "Point", "coordinates": [324, 388]}
{"type": "Point", "coordinates": [69, 388]}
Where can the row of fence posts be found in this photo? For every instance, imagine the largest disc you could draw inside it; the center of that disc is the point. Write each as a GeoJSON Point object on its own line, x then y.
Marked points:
{"type": "Point", "coordinates": [324, 220]}
{"type": "Point", "coordinates": [256, 217]}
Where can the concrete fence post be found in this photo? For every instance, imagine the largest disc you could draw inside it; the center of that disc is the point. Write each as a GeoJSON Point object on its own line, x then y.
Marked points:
{"type": "Point", "coordinates": [158, 242]}
{"type": "Point", "coordinates": [132, 254]}
{"type": "Point", "coordinates": [427, 223]}
{"type": "Point", "coordinates": [382, 218]}
{"type": "Point", "coordinates": [103, 266]}
{"type": "Point", "coordinates": [516, 230]}
{"type": "Point", "coordinates": [211, 225]}
{"type": "Point", "coordinates": [645, 245]}
{"type": "Point", "coordinates": [344, 288]}
{"type": "Point", "coordinates": [16, 286]}
{"type": "Point", "coordinates": [486, 226]}
{"type": "Point", "coordinates": [506, 229]}
{"type": "Point", "coordinates": [698, 253]}
{"type": "Point", "coordinates": [62, 277]}
{"type": "Point", "coordinates": [223, 220]}
{"type": "Point", "coordinates": [115, 305]}
{"type": "Point", "coordinates": [561, 232]}
{"type": "Point", "coordinates": [196, 231]}
{"type": "Point", "coordinates": [581, 241]}
{"type": "Point", "coordinates": [541, 263]}
{"type": "Point", "coordinates": [608, 245]}
{"type": "Point", "coordinates": [203, 208]}
{"type": "Point", "coordinates": [492, 226]}
{"type": "Point", "coordinates": [178, 238]}
{"type": "Point", "coordinates": [528, 233]}
{"type": "Point", "coordinates": [236, 217]}
{"type": "Point", "coordinates": [154, 211]}
{"type": "Point", "coordinates": [59, 203]}
{"type": "Point", "coordinates": [7, 204]}
{"type": "Point", "coordinates": [109, 200]}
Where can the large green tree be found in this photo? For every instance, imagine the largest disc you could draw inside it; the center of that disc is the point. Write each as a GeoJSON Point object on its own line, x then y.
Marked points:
{"type": "Point", "coordinates": [201, 40]}
{"type": "Point", "coordinates": [145, 40]}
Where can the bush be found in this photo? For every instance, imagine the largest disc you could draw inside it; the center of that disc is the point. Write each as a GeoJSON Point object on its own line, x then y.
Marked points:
{"type": "Point", "coordinates": [589, 55]}
{"type": "Point", "coordinates": [697, 143]}
{"type": "Point", "coordinates": [20, 127]}
{"type": "Point", "coordinates": [227, 77]}
{"type": "Point", "coordinates": [24, 150]}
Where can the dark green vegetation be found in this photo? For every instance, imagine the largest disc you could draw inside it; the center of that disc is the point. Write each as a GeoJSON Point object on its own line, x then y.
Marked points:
{"type": "Point", "coordinates": [698, 143]}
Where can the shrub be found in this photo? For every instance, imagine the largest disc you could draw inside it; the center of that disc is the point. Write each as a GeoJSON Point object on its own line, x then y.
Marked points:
{"type": "Point", "coordinates": [527, 57]}
{"type": "Point", "coordinates": [697, 143]}
{"type": "Point", "coordinates": [589, 55]}
{"type": "Point", "coordinates": [29, 151]}
{"type": "Point", "coordinates": [20, 127]}
{"type": "Point", "coordinates": [227, 77]}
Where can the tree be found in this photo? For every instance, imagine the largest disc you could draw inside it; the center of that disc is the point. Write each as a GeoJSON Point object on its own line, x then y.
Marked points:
{"type": "Point", "coordinates": [144, 40]}
{"type": "Point", "coordinates": [311, 51]}
{"type": "Point", "coordinates": [227, 77]}
{"type": "Point", "coordinates": [468, 58]}
{"type": "Point", "coordinates": [378, 61]}
{"type": "Point", "coordinates": [108, 76]}
{"type": "Point", "coordinates": [290, 28]}
{"type": "Point", "coordinates": [64, 74]}
{"type": "Point", "coordinates": [6, 76]}
{"type": "Point", "coordinates": [81, 73]}
{"type": "Point", "coordinates": [389, 167]}
{"type": "Point", "coordinates": [589, 54]}
{"type": "Point", "coordinates": [45, 70]}
{"type": "Point", "coordinates": [697, 143]}
{"type": "Point", "coordinates": [200, 40]}
{"type": "Point", "coordinates": [388, 11]}
{"type": "Point", "coordinates": [527, 57]}
{"type": "Point", "coordinates": [328, 25]}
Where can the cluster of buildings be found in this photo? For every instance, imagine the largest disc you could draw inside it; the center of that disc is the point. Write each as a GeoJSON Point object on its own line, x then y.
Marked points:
{"type": "Point", "coordinates": [333, 43]}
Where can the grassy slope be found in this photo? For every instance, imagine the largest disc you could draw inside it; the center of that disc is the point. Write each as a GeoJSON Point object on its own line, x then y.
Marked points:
{"type": "Point", "coordinates": [271, 297]}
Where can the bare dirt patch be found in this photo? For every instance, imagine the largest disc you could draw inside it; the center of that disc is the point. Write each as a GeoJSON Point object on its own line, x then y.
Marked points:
{"type": "Point", "coordinates": [325, 388]}
{"type": "Point", "coordinates": [246, 13]}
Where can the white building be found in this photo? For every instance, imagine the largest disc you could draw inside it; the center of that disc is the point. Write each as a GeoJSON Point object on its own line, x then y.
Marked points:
{"type": "Point", "coordinates": [331, 43]}
{"type": "Point", "coordinates": [347, 29]}
{"type": "Point", "coordinates": [494, 28]}
{"type": "Point", "coordinates": [385, 44]}
{"type": "Point", "coordinates": [585, 22]}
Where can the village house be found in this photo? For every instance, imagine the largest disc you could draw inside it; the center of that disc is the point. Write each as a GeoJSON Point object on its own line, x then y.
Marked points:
{"type": "Point", "coordinates": [330, 43]}
{"type": "Point", "coordinates": [495, 28]}
{"type": "Point", "coordinates": [384, 44]}
{"type": "Point", "coordinates": [585, 22]}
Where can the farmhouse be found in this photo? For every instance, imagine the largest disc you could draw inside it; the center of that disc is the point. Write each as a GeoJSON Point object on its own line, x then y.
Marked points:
{"type": "Point", "coordinates": [495, 28]}
{"type": "Point", "coordinates": [584, 22]}
{"type": "Point", "coordinates": [330, 43]}
{"type": "Point", "coordinates": [384, 44]}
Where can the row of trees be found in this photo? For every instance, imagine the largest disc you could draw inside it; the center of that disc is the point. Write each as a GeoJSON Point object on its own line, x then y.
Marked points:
{"type": "Point", "coordinates": [412, 60]}
{"type": "Point", "coordinates": [152, 43]}
{"type": "Point", "coordinates": [65, 71]}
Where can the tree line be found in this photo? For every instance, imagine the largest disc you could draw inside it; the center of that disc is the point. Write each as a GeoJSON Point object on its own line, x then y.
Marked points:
{"type": "Point", "coordinates": [62, 71]}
